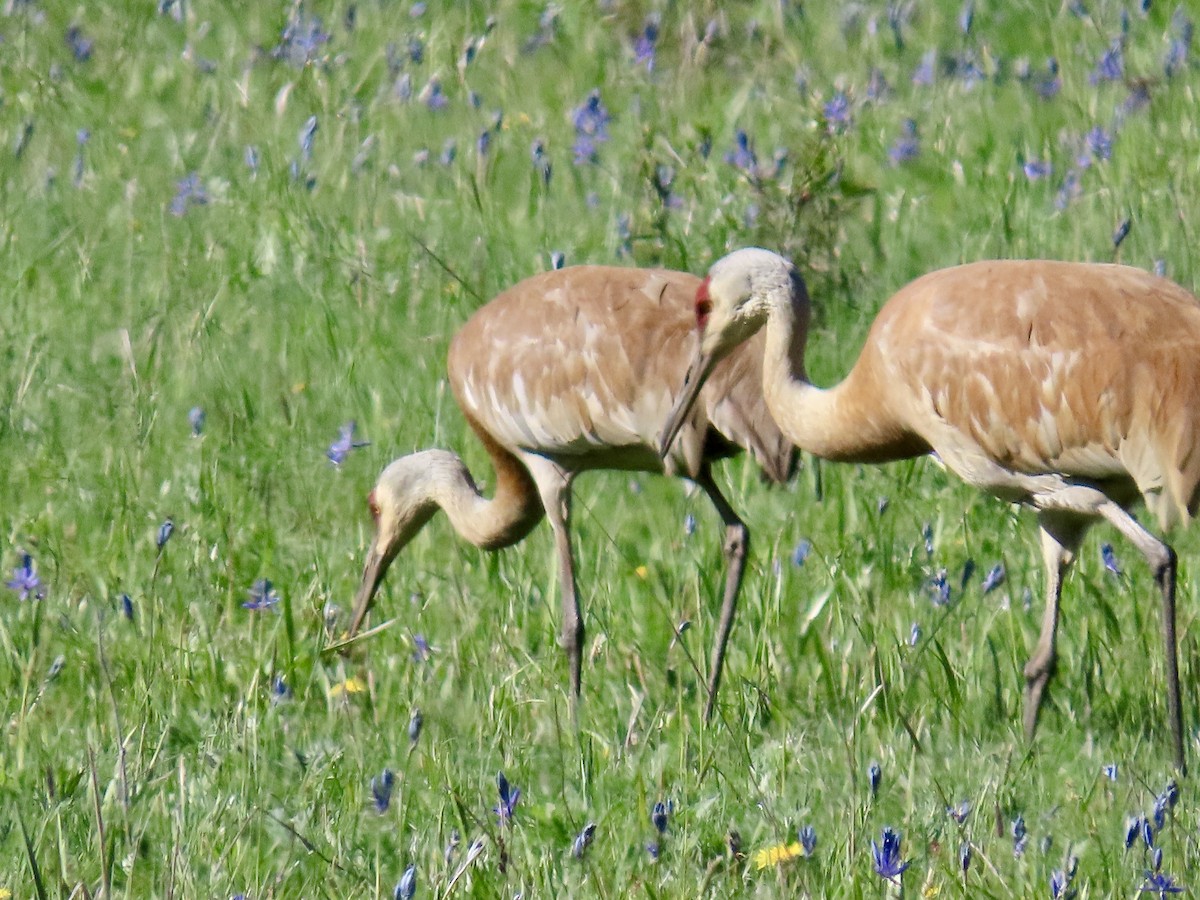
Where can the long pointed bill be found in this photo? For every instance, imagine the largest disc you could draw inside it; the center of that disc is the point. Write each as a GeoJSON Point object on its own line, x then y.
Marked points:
{"type": "Point", "coordinates": [373, 572]}
{"type": "Point", "coordinates": [697, 373]}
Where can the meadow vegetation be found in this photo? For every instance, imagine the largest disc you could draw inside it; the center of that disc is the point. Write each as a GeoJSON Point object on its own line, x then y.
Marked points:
{"type": "Point", "coordinates": [229, 230]}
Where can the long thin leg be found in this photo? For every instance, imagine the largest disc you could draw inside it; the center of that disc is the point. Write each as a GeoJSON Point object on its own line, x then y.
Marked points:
{"type": "Point", "coordinates": [554, 485]}
{"type": "Point", "coordinates": [1162, 560]}
{"type": "Point", "coordinates": [735, 548]}
{"type": "Point", "coordinates": [1060, 540]}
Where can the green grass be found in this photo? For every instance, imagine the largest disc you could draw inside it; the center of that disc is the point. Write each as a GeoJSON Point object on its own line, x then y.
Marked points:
{"type": "Point", "coordinates": [148, 757]}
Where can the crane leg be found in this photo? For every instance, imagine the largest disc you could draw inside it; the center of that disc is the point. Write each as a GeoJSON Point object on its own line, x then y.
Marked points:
{"type": "Point", "coordinates": [734, 549]}
{"type": "Point", "coordinates": [1163, 564]}
{"type": "Point", "coordinates": [554, 486]}
{"type": "Point", "coordinates": [1061, 536]}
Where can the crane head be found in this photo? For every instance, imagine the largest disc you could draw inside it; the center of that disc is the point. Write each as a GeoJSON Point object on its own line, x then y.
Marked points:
{"type": "Point", "coordinates": [399, 507]}
{"type": "Point", "coordinates": [732, 303]}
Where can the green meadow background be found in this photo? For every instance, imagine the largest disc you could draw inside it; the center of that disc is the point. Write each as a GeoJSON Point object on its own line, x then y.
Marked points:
{"type": "Point", "coordinates": [178, 232]}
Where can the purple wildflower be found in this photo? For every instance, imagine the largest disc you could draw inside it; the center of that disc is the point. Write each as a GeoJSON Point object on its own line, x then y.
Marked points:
{"type": "Point", "coordinates": [583, 840]}
{"type": "Point", "coordinates": [927, 535]}
{"type": "Point", "coordinates": [1158, 883]}
{"type": "Point", "coordinates": [1049, 86]}
{"type": "Point", "coordinates": [801, 552]}
{"type": "Point", "coordinates": [196, 420]}
{"type": "Point", "coordinates": [421, 649]}
{"type": "Point", "coordinates": [1060, 886]}
{"type": "Point", "coordinates": [431, 95]}
{"type": "Point", "coordinates": [1036, 169]}
{"type": "Point", "coordinates": [558, 259]}
{"type": "Point", "coordinates": [1109, 558]}
{"type": "Point", "coordinates": [406, 888]}
{"type": "Point", "coordinates": [914, 635]}
{"type": "Point", "coordinates": [1020, 836]}
{"type": "Point", "coordinates": [127, 607]}
{"type": "Point", "coordinates": [1068, 190]}
{"type": "Point", "coordinates": [886, 856]}
{"type": "Point", "coordinates": [908, 146]}
{"type": "Point", "coordinates": [590, 120]}
{"type": "Point", "coordinates": [959, 813]}
{"type": "Point", "coordinates": [188, 193]}
{"type": "Point", "coordinates": [994, 578]}
{"type": "Point", "coordinates": [940, 589]}
{"type": "Point", "coordinates": [381, 790]}
{"type": "Point", "coordinates": [1133, 827]}
{"type": "Point", "coordinates": [449, 152]}
{"type": "Point", "coordinates": [25, 581]}
{"type": "Point", "coordinates": [964, 856]}
{"type": "Point", "coordinates": [837, 113]}
{"type": "Point", "coordinates": [660, 815]}
{"type": "Point", "coordinates": [1111, 66]}
{"type": "Point", "coordinates": [1110, 771]}
{"type": "Point", "coordinates": [164, 533]}
{"type": "Point", "coordinates": [646, 43]}
{"type": "Point", "coordinates": [509, 796]}
{"type": "Point", "coordinates": [340, 448]}
{"type": "Point", "coordinates": [924, 74]}
{"type": "Point", "coordinates": [1098, 143]}
{"type": "Point", "coordinates": [874, 776]}
{"type": "Point", "coordinates": [966, 17]}
{"type": "Point", "coordinates": [301, 41]}
{"type": "Point", "coordinates": [81, 46]}
{"type": "Point", "coordinates": [280, 690]}
{"type": "Point", "coordinates": [262, 595]}
{"type": "Point", "coordinates": [808, 839]}
{"type": "Point", "coordinates": [1180, 47]}
{"type": "Point", "coordinates": [742, 155]}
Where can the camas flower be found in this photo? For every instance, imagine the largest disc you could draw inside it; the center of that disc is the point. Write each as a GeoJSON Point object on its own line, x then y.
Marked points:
{"type": "Point", "coordinates": [886, 856]}
{"type": "Point", "coordinates": [509, 797]}
{"type": "Point", "coordinates": [25, 581]}
{"type": "Point", "coordinates": [262, 595]}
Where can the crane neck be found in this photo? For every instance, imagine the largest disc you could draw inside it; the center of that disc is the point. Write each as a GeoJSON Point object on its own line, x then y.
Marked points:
{"type": "Point", "coordinates": [849, 422]}
{"type": "Point", "coordinates": [503, 519]}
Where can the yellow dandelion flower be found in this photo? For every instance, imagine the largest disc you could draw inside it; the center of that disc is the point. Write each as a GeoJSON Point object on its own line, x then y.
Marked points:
{"type": "Point", "coordinates": [5, 894]}
{"type": "Point", "coordinates": [349, 686]}
{"type": "Point", "coordinates": [641, 571]}
{"type": "Point", "coordinates": [773, 856]}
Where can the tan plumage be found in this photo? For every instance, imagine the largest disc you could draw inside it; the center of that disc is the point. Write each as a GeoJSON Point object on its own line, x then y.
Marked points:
{"type": "Point", "coordinates": [564, 372]}
{"type": "Point", "coordinates": [1072, 388]}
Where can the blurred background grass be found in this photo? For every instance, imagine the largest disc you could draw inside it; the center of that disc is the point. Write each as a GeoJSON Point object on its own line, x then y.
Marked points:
{"type": "Point", "coordinates": [279, 214]}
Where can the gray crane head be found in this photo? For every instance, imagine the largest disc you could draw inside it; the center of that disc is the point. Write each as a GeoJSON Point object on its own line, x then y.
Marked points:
{"type": "Point", "coordinates": [400, 506]}
{"type": "Point", "coordinates": [733, 302]}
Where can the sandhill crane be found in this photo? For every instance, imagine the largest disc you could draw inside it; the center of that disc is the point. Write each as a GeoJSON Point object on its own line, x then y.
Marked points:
{"type": "Point", "coordinates": [567, 371]}
{"type": "Point", "coordinates": [1072, 388]}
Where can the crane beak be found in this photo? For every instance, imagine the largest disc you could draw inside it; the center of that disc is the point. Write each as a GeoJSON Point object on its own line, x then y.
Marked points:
{"type": "Point", "coordinates": [374, 570]}
{"type": "Point", "coordinates": [697, 373]}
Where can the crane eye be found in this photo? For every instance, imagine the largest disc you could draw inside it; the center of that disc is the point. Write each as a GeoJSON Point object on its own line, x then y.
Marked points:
{"type": "Point", "coordinates": [373, 506]}
{"type": "Point", "coordinates": [703, 305]}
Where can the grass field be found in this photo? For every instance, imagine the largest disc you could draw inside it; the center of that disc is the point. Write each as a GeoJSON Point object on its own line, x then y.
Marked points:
{"type": "Point", "coordinates": [279, 214]}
